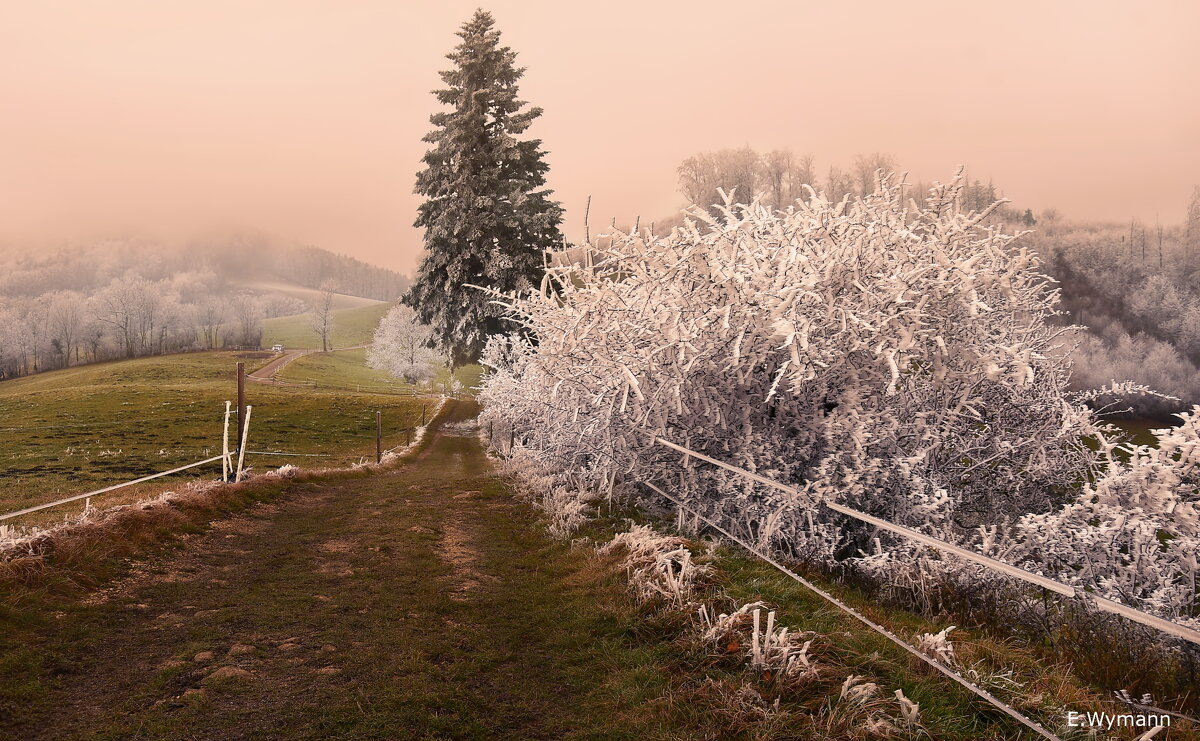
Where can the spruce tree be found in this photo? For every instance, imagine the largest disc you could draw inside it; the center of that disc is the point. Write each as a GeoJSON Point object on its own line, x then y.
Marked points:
{"type": "Point", "coordinates": [487, 215]}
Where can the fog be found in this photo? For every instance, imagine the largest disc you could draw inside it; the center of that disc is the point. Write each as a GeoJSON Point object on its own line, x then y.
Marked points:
{"type": "Point", "coordinates": [305, 119]}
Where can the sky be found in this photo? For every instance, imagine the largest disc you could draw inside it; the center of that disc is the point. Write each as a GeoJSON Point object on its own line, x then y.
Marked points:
{"type": "Point", "coordinates": [304, 119]}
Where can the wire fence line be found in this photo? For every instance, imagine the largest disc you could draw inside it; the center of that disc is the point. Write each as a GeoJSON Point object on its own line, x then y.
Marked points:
{"type": "Point", "coordinates": [77, 497]}
{"type": "Point", "coordinates": [232, 459]}
{"type": "Point", "coordinates": [1094, 600]}
{"type": "Point", "coordinates": [506, 448]}
{"type": "Point", "coordinates": [1101, 603]}
{"type": "Point", "coordinates": [939, 666]}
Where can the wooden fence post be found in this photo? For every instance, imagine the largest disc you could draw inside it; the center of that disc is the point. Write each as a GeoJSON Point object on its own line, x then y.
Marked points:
{"type": "Point", "coordinates": [378, 437]}
{"type": "Point", "coordinates": [422, 415]}
{"type": "Point", "coordinates": [512, 437]}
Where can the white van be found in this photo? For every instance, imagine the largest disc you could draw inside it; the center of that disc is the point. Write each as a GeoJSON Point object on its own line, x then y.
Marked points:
{"type": "Point", "coordinates": [276, 348]}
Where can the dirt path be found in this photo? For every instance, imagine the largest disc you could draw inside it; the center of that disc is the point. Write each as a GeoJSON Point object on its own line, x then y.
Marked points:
{"type": "Point", "coordinates": [415, 603]}
{"type": "Point", "coordinates": [266, 374]}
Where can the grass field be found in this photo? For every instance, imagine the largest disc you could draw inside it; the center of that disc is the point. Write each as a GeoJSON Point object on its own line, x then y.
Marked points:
{"type": "Point", "coordinates": [76, 430]}
{"type": "Point", "coordinates": [347, 369]}
{"type": "Point", "coordinates": [350, 327]}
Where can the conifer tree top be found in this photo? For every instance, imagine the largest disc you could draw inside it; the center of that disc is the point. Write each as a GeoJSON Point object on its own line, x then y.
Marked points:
{"type": "Point", "coordinates": [487, 217]}
{"type": "Point", "coordinates": [484, 77]}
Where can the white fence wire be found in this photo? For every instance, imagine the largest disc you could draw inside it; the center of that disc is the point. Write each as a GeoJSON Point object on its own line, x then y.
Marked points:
{"type": "Point", "coordinates": [947, 671]}
{"type": "Point", "coordinates": [1100, 603]}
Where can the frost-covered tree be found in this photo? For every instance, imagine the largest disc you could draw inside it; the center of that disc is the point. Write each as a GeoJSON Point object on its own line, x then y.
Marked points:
{"type": "Point", "coordinates": [868, 166]}
{"type": "Point", "coordinates": [208, 315]}
{"type": "Point", "coordinates": [488, 217]}
{"type": "Point", "coordinates": [130, 308]}
{"type": "Point", "coordinates": [1192, 228]}
{"type": "Point", "coordinates": [401, 347]}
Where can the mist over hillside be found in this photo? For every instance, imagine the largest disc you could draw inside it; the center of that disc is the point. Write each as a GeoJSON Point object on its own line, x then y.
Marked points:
{"type": "Point", "coordinates": [133, 297]}
{"type": "Point", "coordinates": [227, 261]}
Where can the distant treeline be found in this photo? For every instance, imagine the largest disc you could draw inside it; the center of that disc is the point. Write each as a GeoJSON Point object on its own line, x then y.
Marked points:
{"type": "Point", "coordinates": [1137, 289]}
{"type": "Point", "coordinates": [778, 178]}
{"type": "Point", "coordinates": [127, 298]}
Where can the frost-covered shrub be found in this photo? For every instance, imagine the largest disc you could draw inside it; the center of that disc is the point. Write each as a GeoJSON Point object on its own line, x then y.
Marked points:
{"type": "Point", "coordinates": [890, 356]}
{"type": "Point", "coordinates": [1133, 535]}
{"type": "Point", "coordinates": [554, 492]}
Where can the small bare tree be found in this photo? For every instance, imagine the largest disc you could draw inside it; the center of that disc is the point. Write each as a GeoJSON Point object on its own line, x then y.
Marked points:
{"type": "Point", "coordinates": [321, 319]}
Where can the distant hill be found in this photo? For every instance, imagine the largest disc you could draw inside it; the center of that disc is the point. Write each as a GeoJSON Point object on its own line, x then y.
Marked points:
{"type": "Point", "coordinates": [227, 261]}
{"type": "Point", "coordinates": [352, 326]}
{"type": "Point", "coordinates": [307, 295]}
{"type": "Point", "coordinates": [108, 299]}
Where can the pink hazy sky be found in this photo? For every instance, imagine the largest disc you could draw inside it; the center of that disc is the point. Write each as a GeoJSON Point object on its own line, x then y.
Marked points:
{"type": "Point", "coordinates": [305, 118]}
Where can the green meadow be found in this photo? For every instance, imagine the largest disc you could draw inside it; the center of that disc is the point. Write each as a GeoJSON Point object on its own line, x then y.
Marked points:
{"type": "Point", "coordinates": [80, 429]}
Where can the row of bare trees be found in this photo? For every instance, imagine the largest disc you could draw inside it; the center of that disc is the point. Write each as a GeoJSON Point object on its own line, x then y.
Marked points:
{"type": "Point", "coordinates": [778, 179]}
{"type": "Point", "coordinates": [130, 317]}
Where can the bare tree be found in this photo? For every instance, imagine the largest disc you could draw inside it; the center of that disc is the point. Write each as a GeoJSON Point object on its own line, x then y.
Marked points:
{"type": "Point", "coordinates": [865, 168]}
{"type": "Point", "coordinates": [784, 174]}
{"type": "Point", "coordinates": [67, 313]}
{"type": "Point", "coordinates": [731, 170]}
{"type": "Point", "coordinates": [321, 318]}
{"type": "Point", "coordinates": [838, 185]}
{"type": "Point", "coordinates": [209, 315]}
{"type": "Point", "coordinates": [247, 322]}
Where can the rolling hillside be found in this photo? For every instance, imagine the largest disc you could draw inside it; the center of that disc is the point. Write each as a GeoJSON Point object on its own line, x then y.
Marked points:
{"type": "Point", "coordinates": [308, 295]}
{"type": "Point", "coordinates": [352, 327]}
